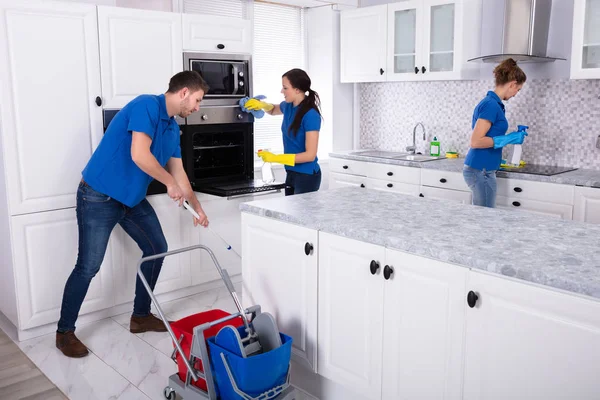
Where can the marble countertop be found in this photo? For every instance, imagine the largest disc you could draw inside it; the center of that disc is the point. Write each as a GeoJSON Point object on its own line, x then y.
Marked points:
{"type": "Point", "coordinates": [555, 253]}
{"type": "Point", "coordinates": [579, 177]}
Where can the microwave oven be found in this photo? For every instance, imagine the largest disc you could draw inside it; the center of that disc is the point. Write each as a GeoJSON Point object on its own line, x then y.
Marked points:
{"type": "Point", "coordinates": [229, 76]}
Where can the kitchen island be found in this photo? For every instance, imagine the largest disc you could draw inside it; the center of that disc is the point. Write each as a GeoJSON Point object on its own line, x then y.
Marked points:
{"type": "Point", "coordinates": [390, 296]}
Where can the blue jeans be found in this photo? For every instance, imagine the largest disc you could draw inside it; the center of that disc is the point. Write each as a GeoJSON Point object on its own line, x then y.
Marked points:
{"type": "Point", "coordinates": [97, 215]}
{"type": "Point", "coordinates": [297, 183]}
{"type": "Point", "coordinates": [483, 186]}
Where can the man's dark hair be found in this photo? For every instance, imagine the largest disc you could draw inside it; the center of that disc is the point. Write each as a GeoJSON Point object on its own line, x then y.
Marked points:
{"type": "Point", "coordinates": [187, 79]}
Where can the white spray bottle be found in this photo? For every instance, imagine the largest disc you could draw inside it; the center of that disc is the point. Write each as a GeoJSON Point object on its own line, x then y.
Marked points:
{"type": "Point", "coordinates": [515, 159]}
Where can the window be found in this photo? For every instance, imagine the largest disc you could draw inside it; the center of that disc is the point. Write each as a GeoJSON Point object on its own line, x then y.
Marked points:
{"type": "Point", "coordinates": [278, 47]}
{"type": "Point", "coordinates": [226, 8]}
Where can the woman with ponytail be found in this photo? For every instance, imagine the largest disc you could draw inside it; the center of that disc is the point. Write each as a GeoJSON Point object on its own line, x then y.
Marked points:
{"type": "Point", "coordinates": [300, 130]}
{"type": "Point", "coordinates": [489, 126]}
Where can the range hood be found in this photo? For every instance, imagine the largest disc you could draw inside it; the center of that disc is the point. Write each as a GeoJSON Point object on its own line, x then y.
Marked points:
{"type": "Point", "coordinates": [515, 29]}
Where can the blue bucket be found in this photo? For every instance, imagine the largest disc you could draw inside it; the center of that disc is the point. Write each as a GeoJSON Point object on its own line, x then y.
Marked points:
{"type": "Point", "coordinates": [253, 375]}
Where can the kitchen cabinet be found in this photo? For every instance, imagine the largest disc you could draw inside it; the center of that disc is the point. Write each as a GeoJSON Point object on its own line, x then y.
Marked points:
{"type": "Point", "coordinates": [363, 44]}
{"type": "Point", "coordinates": [390, 186]}
{"type": "Point", "coordinates": [337, 180]}
{"type": "Point", "coordinates": [585, 50]}
{"type": "Point", "coordinates": [47, 141]}
{"type": "Point", "coordinates": [45, 251]}
{"type": "Point", "coordinates": [458, 196]}
{"type": "Point", "coordinates": [279, 270]}
{"type": "Point", "coordinates": [216, 34]}
{"type": "Point", "coordinates": [526, 342]}
{"type": "Point", "coordinates": [140, 51]}
{"type": "Point", "coordinates": [445, 185]}
{"type": "Point", "coordinates": [537, 207]}
{"type": "Point", "coordinates": [587, 205]}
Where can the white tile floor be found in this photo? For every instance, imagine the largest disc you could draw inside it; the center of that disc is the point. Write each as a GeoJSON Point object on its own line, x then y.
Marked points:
{"type": "Point", "coordinates": [120, 365]}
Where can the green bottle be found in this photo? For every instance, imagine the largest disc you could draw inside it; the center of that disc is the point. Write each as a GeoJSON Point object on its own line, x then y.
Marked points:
{"type": "Point", "coordinates": [434, 147]}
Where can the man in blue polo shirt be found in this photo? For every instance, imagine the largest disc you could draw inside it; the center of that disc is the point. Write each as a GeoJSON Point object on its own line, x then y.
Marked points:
{"type": "Point", "coordinates": [140, 144]}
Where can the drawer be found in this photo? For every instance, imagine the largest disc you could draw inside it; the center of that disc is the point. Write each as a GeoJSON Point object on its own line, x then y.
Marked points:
{"type": "Point", "coordinates": [444, 179]}
{"type": "Point", "coordinates": [391, 186]}
{"type": "Point", "coordinates": [446, 194]}
{"type": "Point", "coordinates": [351, 167]}
{"type": "Point", "coordinates": [394, 173]}
{"type": "Point", "coordinates": [563, 211]}
{"type": "Point", "coordinates": [542, 191]}
{"type": "Point", "coordinates": [337, 180]}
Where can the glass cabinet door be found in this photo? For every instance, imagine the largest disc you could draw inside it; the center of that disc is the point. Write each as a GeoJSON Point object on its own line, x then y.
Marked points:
{"type": "Point", "coordinates": [591, 37]}
{"type": "Point", "coordinates": [441, 37]}
{"type": "Point", "coordinates": [404, 40]}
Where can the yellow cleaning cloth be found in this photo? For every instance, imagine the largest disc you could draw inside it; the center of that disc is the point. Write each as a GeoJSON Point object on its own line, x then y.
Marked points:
{"type": "Point", "coordinates": [521, 164]}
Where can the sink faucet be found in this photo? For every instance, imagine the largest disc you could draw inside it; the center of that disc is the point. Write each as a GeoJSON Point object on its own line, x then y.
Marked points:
{"type": "Point", "coordinates": [413, 148]}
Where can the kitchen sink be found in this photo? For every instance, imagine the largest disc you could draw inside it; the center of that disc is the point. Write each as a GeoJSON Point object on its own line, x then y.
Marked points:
{"type": "Point", "coordinates": [418, 157]}
{"type": "Point", "coordinates": [378, 153]}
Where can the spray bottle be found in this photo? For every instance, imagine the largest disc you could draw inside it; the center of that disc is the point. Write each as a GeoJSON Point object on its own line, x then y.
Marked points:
{"type": "Point", "coordinates": [515, 159]}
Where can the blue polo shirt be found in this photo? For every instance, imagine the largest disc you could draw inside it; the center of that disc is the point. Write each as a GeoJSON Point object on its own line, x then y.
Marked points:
{"type": "Point", "coordinates": [294, 144]}
{"type": "Point", "coordinates": [490, 108]}
{"type": "Point", "coordinates": [111, 169]}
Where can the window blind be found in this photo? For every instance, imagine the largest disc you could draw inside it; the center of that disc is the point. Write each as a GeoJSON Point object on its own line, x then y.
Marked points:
{"type": "Point", "coordinates": [278, 47]}
{"type": "Point", "coordinates": [226, 8]}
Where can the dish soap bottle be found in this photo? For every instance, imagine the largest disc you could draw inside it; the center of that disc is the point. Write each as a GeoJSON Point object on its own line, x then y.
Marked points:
{"type": "Point", "coordinates": [434, 148]}
{"type": "Point", "coordinates": [266, 172]}
{"type": "Point", "coordinates": [515, 159]}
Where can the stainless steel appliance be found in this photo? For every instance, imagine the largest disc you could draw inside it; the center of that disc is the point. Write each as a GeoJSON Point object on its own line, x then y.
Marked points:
{"type": "Point", "coordinates": [535, 169]}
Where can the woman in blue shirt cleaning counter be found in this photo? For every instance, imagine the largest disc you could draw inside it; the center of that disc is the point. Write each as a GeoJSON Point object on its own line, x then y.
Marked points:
{"type": "Point", "coordinates": [488, 138]}
{"type": "Point", "coordinates": [300, 129]}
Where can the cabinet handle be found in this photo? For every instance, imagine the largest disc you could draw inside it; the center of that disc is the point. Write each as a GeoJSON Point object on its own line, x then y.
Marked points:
{"type": "Point", "coordinates": [516, 204]}
{"type": "Point", "coordinates": [98, 101]}
{"type": "Point", "coordinates": [220, 46]}
{"type": "Point", "coordinates": [518, 189]}
{"type": "Point", "coordinates": [390, 173]}
{"type": "Point", "coordinates": [387, 272]}
{"type": "Point", "coordinates": [421, 195]}
{"type": "Point", "coordinates": [472, 299]}
{"type": "Point", "coordinates": [390, 185]}
{"type": "Point", "coordinates": [423, 69]}
{"type": "Point", "coordinates": [416, 70]}
{"type": "Point", "coordinates": [362, 185]}
{"type": "Point", "coordinates": [443, 180]}
{"type": "Point", "coordinates": [374, 266]}
{"type": "Point", "coordinates": [381, 71]}
{"type": "Point", "coordinates": [345, 167]}
{"type": "Point", "coordinates": [308, 248]}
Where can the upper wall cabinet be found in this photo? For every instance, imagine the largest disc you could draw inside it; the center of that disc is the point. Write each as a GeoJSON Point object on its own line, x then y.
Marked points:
{"type": "Point", "coordinates": [424, 40]}
{"type": "Point", "coordinates": [585, 53]}
{"type": "Point", "coordinates": [139, 52]}
{"type": "Point", "coordinates": [216, 34]}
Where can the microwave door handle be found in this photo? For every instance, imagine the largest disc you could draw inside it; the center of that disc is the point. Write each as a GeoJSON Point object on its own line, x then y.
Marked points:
{"type": "Point", "coordinates": [235, 79]}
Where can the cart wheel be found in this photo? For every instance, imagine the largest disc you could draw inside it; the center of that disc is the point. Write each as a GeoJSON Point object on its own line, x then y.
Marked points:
{"type": "Point", "coordinates": [170, 393]}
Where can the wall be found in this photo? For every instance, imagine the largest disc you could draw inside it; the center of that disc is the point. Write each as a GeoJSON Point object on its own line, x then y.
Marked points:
{"type": "Point", "coordinates": [562, 115]}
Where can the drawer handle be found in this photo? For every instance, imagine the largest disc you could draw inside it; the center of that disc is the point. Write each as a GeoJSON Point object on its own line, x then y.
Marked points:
{"type": "Point", "coordinates": [220, 46]}
{"type": "Point", "coordinates": [516, 204]}
{"type": "Point", "coordinates": [374, 266]}
{"type": "Point", "coordinates": [390, 173]}
{"type": "Point", "coordinates": [443, 180]}
{"type": "Point", "coordinates": [390, 185]}
{"type": "Point", "coordinates": [421, 195]}
{"type": "Point", "coordinates": [472, 299]}
{"type": "Point", "coordinates": [518, 189]}
{"type": "Point", "coordinates": [387, 272]}
{"type": "Point", "coordinates": [362, 185]}
{"type": "Point", "coordinates": [345, 167]}
{"type": "Point", "coordinates": [308, 248]}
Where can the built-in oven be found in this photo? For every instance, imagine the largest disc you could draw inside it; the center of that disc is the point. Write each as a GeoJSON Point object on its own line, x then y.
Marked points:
{"type": "Point", "coordinates": [228, 75]}
{"type": "Point", "coordinates": [217, 147]}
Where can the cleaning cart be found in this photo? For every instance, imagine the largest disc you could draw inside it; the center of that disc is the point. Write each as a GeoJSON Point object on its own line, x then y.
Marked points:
{"type": "Point", "coordinates": [246, 358]}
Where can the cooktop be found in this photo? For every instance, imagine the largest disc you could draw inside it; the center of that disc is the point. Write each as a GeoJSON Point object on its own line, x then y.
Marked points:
{"type": "Point", "coordinates": [535, 169]}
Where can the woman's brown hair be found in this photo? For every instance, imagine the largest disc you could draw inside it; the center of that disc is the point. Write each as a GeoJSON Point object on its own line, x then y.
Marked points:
{"type": "Point", "coordinates": [508, 71]}
{"type": "Point", "coordinates": [301, 81]}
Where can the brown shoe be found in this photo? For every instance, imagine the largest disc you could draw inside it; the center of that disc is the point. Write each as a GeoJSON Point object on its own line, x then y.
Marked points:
{"type": "Point", "coordinates": [70, 346]}
{"type": "Point", "coordinates": [148, 323]}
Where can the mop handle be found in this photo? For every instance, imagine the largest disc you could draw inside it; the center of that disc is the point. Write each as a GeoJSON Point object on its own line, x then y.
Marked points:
{"type": "Point", "coordinates": [188, 207]}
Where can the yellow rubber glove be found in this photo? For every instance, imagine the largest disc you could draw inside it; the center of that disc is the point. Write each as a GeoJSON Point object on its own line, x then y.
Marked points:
{"type": "Point", "coordinates": [286, 159]}
{"type": "Point", "coordinates": [255, 104]}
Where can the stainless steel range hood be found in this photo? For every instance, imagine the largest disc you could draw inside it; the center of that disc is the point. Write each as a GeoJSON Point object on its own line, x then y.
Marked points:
{"type": "Point", "coordinates": [515, 28]}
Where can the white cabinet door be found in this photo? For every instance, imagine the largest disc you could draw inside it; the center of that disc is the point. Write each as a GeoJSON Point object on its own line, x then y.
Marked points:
{"type": "Point", "coordinates": [587, 205]}
{"type": "Point", "coordinates": [424, 328]}
{"type": "Point", "coordinates": [405, 41]}
{"type": "Point", "coordinates": [45, 248]}
{"type": "Point", "coordinates": [351, 313]}
{"type": "Point", "coordinates": [363, 37]}
{"type": "Point", "coordinates": [50, 122]}
{"type": "Point", "coordinates": [525, 342]}
{"type": "Point", "coordinates": [140, 51]}
{"type": "Point", "coordinates": [446, 194]}
{"type": "Point", "coordinates": [585, 51]}
{"type": "Point", "coordinates": [280, 277]}
{"type": "Point", "coordinates": [442, 52]}
{"type": "Point", "coordinates": [175, 273]}
{"type": "Point", "coordinates": [538, 207]}
{"type": "Point", "coordinates": [337, 180]}
{"type": "Point", "coordinates": [394, 187]}
{"type": "Point", "coordinates": [216, 34]}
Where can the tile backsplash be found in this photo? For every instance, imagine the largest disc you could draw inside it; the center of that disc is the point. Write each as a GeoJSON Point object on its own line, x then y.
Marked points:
{"type": "Point", "coordinates": [563, 117]}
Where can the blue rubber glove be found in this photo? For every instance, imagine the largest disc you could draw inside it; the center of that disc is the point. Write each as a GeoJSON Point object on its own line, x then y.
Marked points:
{"type": "Point", "coordinates": [511, 138]}
{"type": "Point", "coordinates": [256, 113]}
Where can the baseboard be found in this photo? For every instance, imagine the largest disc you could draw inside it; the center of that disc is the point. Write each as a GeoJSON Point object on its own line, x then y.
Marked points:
{"type": "Point", "coordinates": [21, 335]}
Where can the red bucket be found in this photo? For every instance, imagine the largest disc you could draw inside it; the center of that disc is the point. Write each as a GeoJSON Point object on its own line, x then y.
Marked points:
{"type": "Point", "coordinates": [185, 327]}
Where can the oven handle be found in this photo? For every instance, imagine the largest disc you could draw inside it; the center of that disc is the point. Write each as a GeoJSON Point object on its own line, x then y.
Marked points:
{"type": "Point", "coordinates": [235, 79]}
{"type": "Point", "coordinates": [254, 194]}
